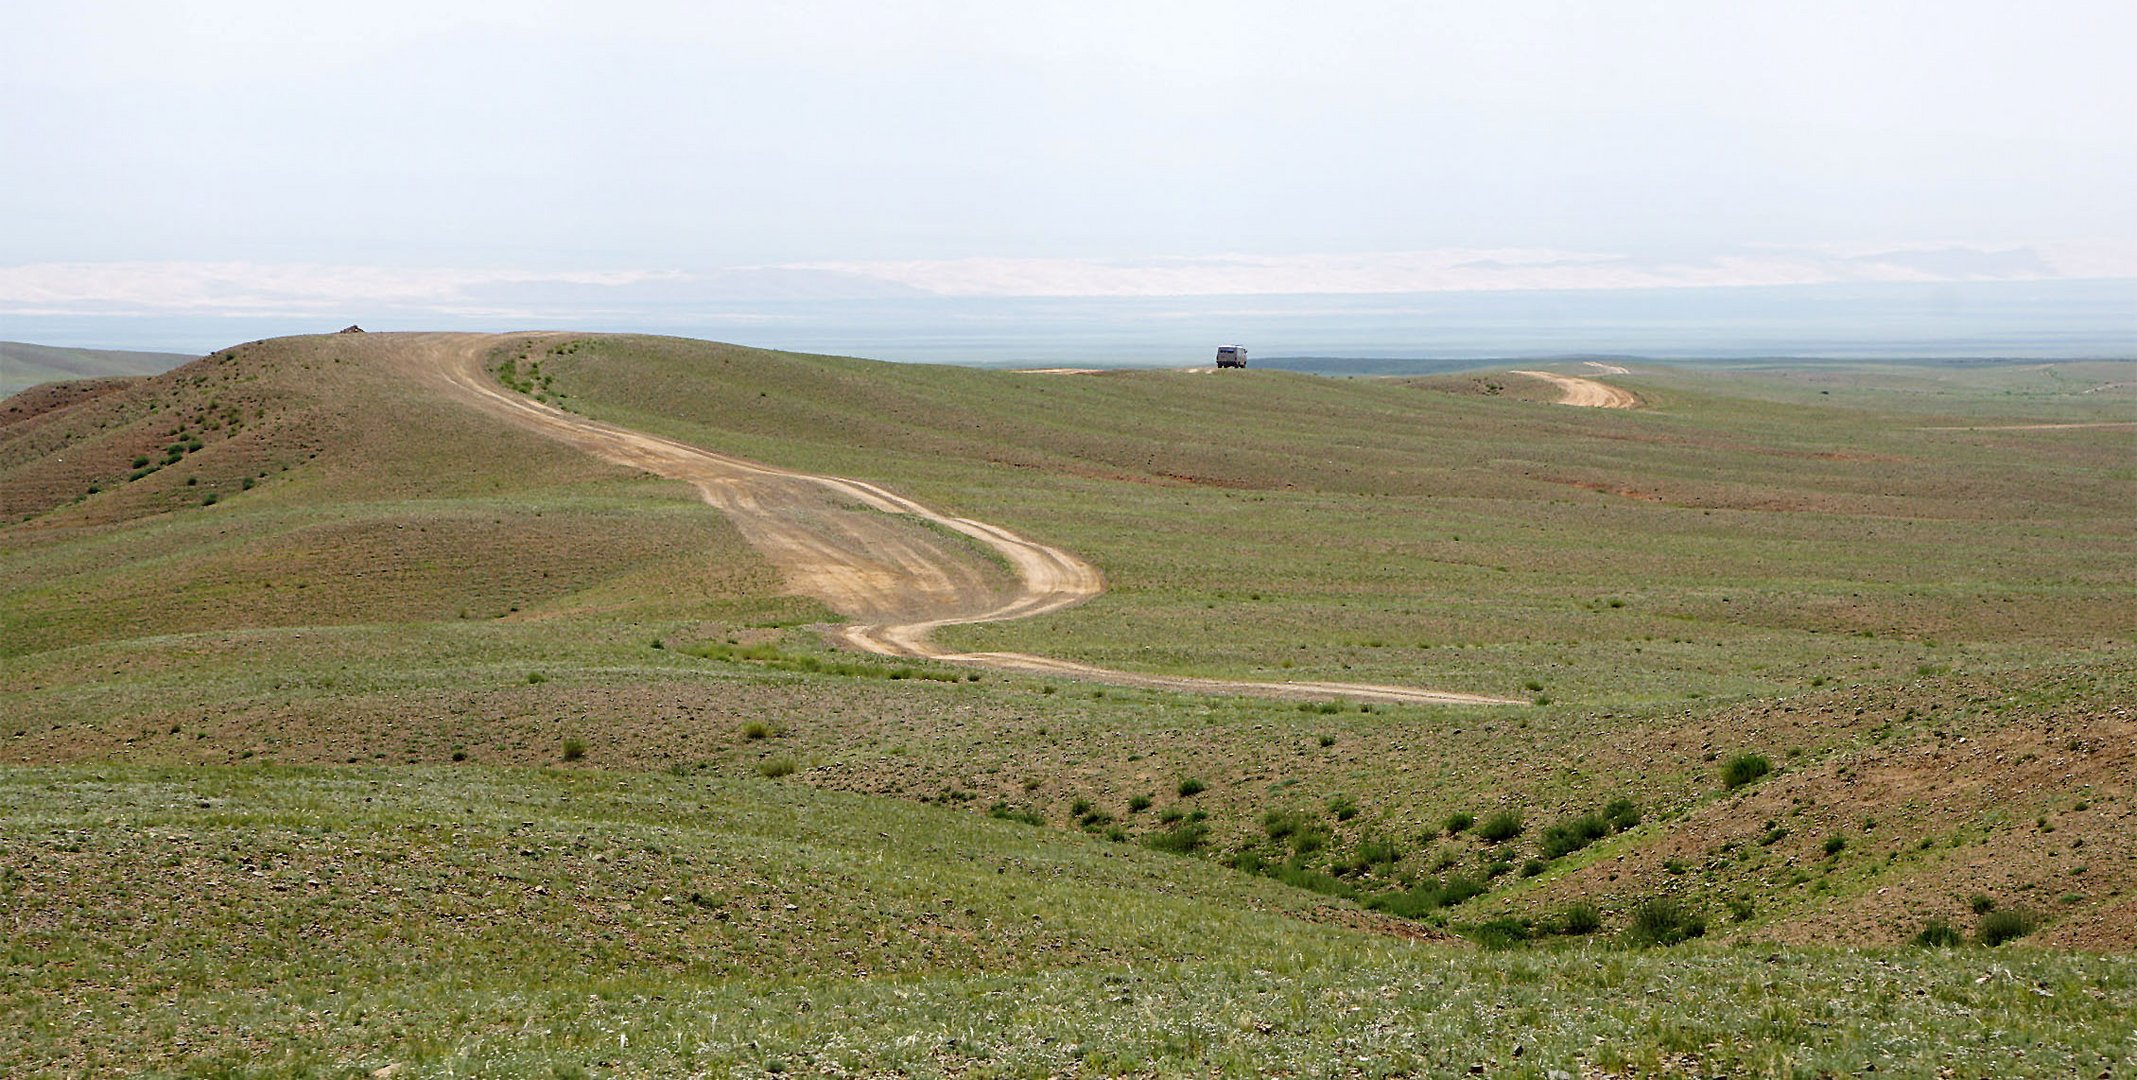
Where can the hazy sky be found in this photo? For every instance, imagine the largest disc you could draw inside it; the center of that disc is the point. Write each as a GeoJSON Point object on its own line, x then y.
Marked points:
{"type": "Point", "coordinates": [172, 152]}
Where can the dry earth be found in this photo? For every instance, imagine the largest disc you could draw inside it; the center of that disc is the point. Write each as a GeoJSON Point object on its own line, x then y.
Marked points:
{"type": "Point", "coordinates": [1574, 390]}
{"type": "Point", "coordinates": [850, 543]}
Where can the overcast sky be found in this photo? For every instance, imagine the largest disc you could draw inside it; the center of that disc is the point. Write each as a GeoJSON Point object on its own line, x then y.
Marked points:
{"type": "Point", "coordinates": [996, 148]}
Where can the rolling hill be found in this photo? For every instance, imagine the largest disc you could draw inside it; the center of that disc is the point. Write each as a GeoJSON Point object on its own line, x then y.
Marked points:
{"type": "Point", "coordinates": [353, 637]}
{"type": "Point", "coordinates": [23, 365]}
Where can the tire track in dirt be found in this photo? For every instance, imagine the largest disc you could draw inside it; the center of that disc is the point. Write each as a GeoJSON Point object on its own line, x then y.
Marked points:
{"type": "Point", "coordinates": [1588, 393]}
{"type": "Point", "coordinates": [853, 544]}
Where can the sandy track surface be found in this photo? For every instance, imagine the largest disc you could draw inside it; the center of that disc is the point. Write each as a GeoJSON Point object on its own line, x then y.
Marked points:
{"type": "Point", "coordinates": [1574, 390]}
{"type": "Point", "coordinates": [852, 544]}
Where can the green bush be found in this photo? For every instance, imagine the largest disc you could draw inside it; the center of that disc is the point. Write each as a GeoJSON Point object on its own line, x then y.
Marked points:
{"type": "Point", "coordinates": [1302, 877]}
{"type": "Point", "coordinates": [1938, 934]}
{"type": "Point", "coordinates": [1578, 920]}
{"type": "Point", "coordinates": [1622, 814]}
{"type": "Point", "coordinates": [1501, 827]}
{"type": "Point", "coordinates": [1138, 804]}
{"type": "Point", "coordinates": [1182, 839]}
{"type": "Point", "coordinates": [756, 729]}
{"type": "Point", "coordinates": [1835, 844]}
{"type": "Point", "coordinates": [1282, 823]}
{"type": "Point", "coordinates": [2007, 924]}
{"type": "Point", "coordinates": [1378, 852]}
{"type": "Point", "coordinates": [1457, 822]}
{"type": "Point", "coordinates": [1567, 837]}
{"type": "Point", "coordinates": [1500, 933]}
{"type": "Point", "coordinates": [1743, 769]}
{"type": "Point", "coordinates": [1663, 921]}
{"type": "Point", "coordinates": [574, 748]}
{"type": "Point", "coordinates": [1024, 814]}
{"type": "Point", "coordinates": [1428, 896]}
{"type": "Point", "coordinates": [1192, 787]}
{"type": "Point", "coordinates": [1343, 807]}
{"type": "Point", "coordinates": [775, 768]}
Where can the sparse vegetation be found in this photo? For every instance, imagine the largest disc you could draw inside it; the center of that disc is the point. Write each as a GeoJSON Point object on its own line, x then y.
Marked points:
{"type": "Point", "coordinates": [319, 619]}
{"type": "Point", "coordinates": [574, 748]}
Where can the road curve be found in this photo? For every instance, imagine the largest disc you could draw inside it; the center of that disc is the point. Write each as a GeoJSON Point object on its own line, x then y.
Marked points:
{"type": "Point", "coordinates": [1574, 390]}
{"type": "Point", "coordinates": [850, 543]}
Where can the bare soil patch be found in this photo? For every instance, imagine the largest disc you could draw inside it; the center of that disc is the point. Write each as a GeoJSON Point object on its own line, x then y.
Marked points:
{"type": "Point", "coordinates": [1588, 393]}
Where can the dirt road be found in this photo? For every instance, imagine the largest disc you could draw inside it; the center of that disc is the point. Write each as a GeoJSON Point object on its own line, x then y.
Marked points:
{"type": "Point", "coordinates": [1574, 390]}
{"type": "Point", "coordinates": [859, 548]}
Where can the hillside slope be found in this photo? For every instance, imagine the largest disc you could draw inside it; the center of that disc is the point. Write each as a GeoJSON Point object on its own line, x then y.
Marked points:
{"type": "Point", "coordinates": [1849, 588]}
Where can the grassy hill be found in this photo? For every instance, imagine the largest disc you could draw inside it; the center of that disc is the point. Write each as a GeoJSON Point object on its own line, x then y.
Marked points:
{"type": "Point", "coordinates": [287, 605]}
{"type": "Point", "coordinates": [23, 365]}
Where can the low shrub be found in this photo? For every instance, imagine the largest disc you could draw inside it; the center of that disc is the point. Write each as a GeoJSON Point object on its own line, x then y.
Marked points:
{"type": "Point", "coordinates": [1191, 787]}
{"type": "Point", "coordinates": [1577, 920]}
{"type": "Point", "coordinates": [1378, 852]}
{"type": "Point", "coordinates": [1024, 814]}
{"type": "Point", "coordinates": [1938, 934]}
{"type": "Point", "coordinates": [1457, 822]}
{"type": "Point", "coordinates": [574, 749]}
{"type": "Point", "coordinates": [1743, 769]}
{"type": "Point", "coordinates": [775, 768]}
{"type": "Point", "coordinates": [1299, 876]}
{"type": "Point", "coordinates": [1185, 838]}
{"type": "Point", "coordinates": [1343, 807]}
{"type": "Point", "coordinates": [1567, 837]}
{"type": "Point", "coordinates": [1663, 921]}
{"type": "Point", "coordinates": [1282, 823]}
{"type": "Point", "coordinates": [1622, 814]}
{"type": "Point", "coordinates": [2006, 924]}
{"type": "Point", "coordinates": [1138, 804]}
{"type": "Point", "coordinates": [1501, 933]}
{"type": "Point", "coordinates": [756, 729]}
{"type": "Point", "coordinates": [1501, 827]}
{"type": "Point", "coordinates": [1428, 896]}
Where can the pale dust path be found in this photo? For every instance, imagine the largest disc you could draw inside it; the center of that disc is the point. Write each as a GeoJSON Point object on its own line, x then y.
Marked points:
{"type": "Point", "coordinates": [850, 543]}
{"type": "Point", "coordinates": [1574, 390]}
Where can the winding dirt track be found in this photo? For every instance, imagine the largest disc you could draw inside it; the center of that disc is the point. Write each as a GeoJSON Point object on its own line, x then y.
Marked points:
{"type": "Point", "coordinates": [1574, 390]}
{"type": "Point", "coordinates": [854, 545]}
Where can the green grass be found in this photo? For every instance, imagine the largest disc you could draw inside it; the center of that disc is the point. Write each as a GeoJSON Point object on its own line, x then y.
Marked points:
{"type": "Point", "coordinates": [510, 921]}
{"type": "Point", "coordinates": [1476, 536]}
{"type": "Point", "coordinates": [1749, 563]}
